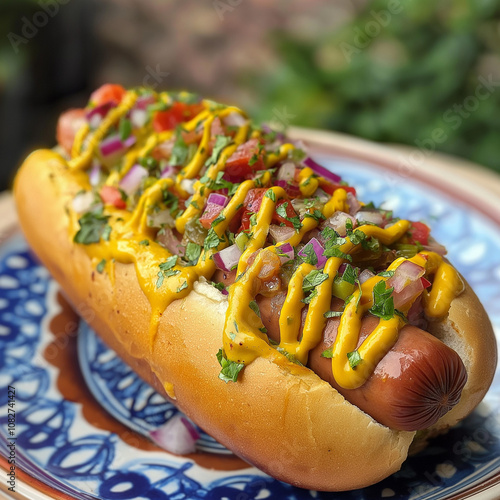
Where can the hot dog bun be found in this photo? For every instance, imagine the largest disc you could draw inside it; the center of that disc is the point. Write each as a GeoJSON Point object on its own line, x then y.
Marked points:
{"type": "Point", "coordinates": [280, 417]}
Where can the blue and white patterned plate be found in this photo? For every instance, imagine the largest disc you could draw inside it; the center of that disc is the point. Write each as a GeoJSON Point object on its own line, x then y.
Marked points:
{"type": "Point", "coordinates": [59, 447]}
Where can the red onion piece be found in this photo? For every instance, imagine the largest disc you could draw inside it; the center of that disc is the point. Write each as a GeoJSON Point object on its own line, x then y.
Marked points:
{"type": "Point", "coordinates": [436, 247]}
{"type": "Point", "coordinates": [167, 239]}
{"type": "Point", "coordinates": [177, 436]}
{"type": "Point", "coordinates": [286, 253]}
{"type": "Point", "coordinates": [286, 172]}
{"type": "Point", "coordinates": [218, 199]}
{"type": "Point", "coordinates": [113, 144]}
{"type": "Point", "coordinates": [95, 115]}
{"type": "Point", "coordinates": [144, 101]}
{"type": "Point", "coordinates": [365, 275]}
{"type": "Point", "coordinates": [281, 233]}
{"type": "Point", "coordinates": [309, 162]}
{"type": "Point", "coordinates": [372, 216]}
{"type": "Point", "coordinates": [318, 250]}
{"type": "Point", "coordinates": [132, 179]}
{"type": "Point", "coordinates": [291, 189]}
{"type": "Point", "coordinates": [234, 120]}
{"type": "Point", "coordinates": [405, 274]}
{"type": "Point", "coordinates": [95, 174]}
{"type": "Point", "coordinates": [408, 294]}
{"type": "Point", "coordinates": [354, 204]}
{"type": "Point", "coordinates": [167, 172]}
{"type": "Point", "coordinates": [338, 222]}
{"type": "Point", "coordinates": [227, 259]}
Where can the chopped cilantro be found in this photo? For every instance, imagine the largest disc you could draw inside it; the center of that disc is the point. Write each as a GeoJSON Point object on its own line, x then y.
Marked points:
{"type": "Point", "coordinates": [253, 159]}
{"type": "Point", "coordinates": [182, 287]}
{"type": "Point", "coordinates": [354, 359]}
{"type": "Point", "coordinates": [313, 280]}
{"type": "Point", "coordinates": [271, 195]}
{"type": "Point", "coordinates": [219, 286]}
{"type": "Point", "coordinates": [193, 252]}
{"type": "Point", "coordinates": [93, 226]}
{"type": "Point", "coordinates": [255, 307]}
{"type": "Point", "coordinates": [218, 220]}
{"type": "Point", "coordinates": [350, 275]}
{"type": "Point", "coordinates": [383, 303]}
{"type": "Point", "coordinates": [100, 267]}
{"type": "Point", "coordinates": [253, 220]}
{"type": "Point", "coordinates": [332, 314]}
{"type": "Point", "coordinates": [316, 215]}
{"type": "Point", "coordinates": [169, 263]}
{"type": "Point", "coordinates": [230, 369]}
{"type": "Point", "coordinates": [297, 155]}
{"type": "Point", "coordinates": [386, 274]}
{"type": "Point", "coordinates": [221, 141]}
{"type": "Point", "coordinates": [180, 149]}
{"type": "Point", "coordinates": [212, 240]}
{"type": "Point", "coordinates": [308, 255]}
{"type": "Point", "coordinates": [144, 242]}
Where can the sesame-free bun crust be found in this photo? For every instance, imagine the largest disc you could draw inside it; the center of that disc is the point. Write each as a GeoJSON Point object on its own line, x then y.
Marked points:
{"type": "Point", "coordinates": [281, 418]}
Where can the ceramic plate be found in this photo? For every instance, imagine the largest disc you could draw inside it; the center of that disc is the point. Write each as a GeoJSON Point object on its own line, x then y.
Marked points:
{"type": "Point", "coordinates": [84, 436]}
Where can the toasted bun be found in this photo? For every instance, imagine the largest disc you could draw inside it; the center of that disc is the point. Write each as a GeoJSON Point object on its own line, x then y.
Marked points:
{"type": "Point", "coordinates": [282, 418]}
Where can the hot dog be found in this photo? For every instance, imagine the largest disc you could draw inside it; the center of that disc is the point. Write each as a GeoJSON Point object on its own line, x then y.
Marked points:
{"type": "Point", "coordinates": [253, 291]}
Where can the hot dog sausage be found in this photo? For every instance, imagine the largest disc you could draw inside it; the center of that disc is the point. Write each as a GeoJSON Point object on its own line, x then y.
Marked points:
{"type": "Point", "coordinates": [415, 384]}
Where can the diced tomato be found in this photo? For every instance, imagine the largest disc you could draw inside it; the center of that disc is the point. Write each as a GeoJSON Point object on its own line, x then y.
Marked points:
{"type": "Point", "coordinates": [106, 93]}
{"type": "Point", "coordinates": [216, 128]}
{"type": "Point", "coordinates": [238, 164]}
{"type": "Point", "coordinates": [179, 112]}
{"type": "Point", "coordinates": [331, 187]}
{"type": "Point", "coordinates": [211, 212]}
{"type": "Point", "coordinates": [111, 196]}
{"type": "Point", "coordinates": [420, 232]}
{"type": "Point", "coordinates": [426, 283]}
{"type": "Point", "coordinates": [252, 204]}
{"type": "Point", "coordinates": [68, 125]}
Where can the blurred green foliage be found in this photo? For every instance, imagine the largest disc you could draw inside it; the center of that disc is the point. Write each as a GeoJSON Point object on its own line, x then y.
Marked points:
{"type": "Point", "coordinates": [397, 77]}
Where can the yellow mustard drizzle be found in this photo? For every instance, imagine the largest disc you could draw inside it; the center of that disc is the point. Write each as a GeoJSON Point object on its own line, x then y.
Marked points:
{"type": "Point", "coordinates": [242, 340]}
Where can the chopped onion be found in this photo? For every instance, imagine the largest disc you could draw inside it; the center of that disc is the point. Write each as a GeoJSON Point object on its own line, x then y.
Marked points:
{"type": "Point", "coordinates": [167, 239]}
{"type": "Point", "coordinates": [114, 145]}
{"type": "Point", "coordinates": [168, 171]}
{"type": "Point", "coordinates": [281, 233]}
{"type": "Point", "coordinates": [372, 216]}
{"type": "Point", "coordinates": [95, 174]}
{"type": "Point", "coordinates": [324, 172]}
{"type": "Point", "coordinates": [144, 101]}
{"type": "Point", "coordinates": [188, 185]}
{"type": "Point", "coordinates": [405, 273]}
{"type": "Point", "coordinates": [286, 172]}
{"type": "Point", "coordinates": [365, 275]}
{"type": "Point", "coordinates": [177, 436]}
{"type": "Point", "coordinates": [286, 253]}
{"type": "Point", "coordinates": [234, 120]}
{"type": "Point", "coordinates": [321, 195]}
{"type": "Point", "coordinates": [95, 115]}
{"type": "Point", "coordinates": [228, 258]}
{"type": "Point", "coordinates": [436, 247]}
{"type": "Point", "coordinates": [132, 179]}
{"type": "Point", "coordinates": [318, 250]}
{"type": "Point", "coordinates": [408, 294]}
{"type": "Point", "coordinates": [138, 117]}
{"type": "Point", "coordinates": [338, 222]}
{"type": "Point", "coordinates": [83, 201]}
{"type": "Point", "coordinates": [291, 188]}
{"type": "Point", "coordinates": [218, 199]}
{"type": "Point", "coordinates": [161, 219]}
{"type": "Point", "coordinates": [354, 204]}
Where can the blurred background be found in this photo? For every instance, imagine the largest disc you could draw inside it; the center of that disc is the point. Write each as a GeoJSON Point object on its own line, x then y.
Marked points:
{"type": "Point", "coordinates": [387, 70]}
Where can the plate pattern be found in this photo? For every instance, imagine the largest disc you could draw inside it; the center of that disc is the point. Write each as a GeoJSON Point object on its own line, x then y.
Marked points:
{"type": "Point", "coordinates": [57, 445]}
